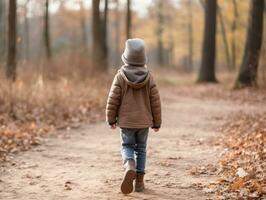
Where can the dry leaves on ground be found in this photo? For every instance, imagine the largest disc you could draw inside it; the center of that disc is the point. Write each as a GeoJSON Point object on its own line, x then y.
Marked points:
{"type": "Point", "coordinates": [242, 168]}
{"type": "Point", "coordinates": [30, 110]}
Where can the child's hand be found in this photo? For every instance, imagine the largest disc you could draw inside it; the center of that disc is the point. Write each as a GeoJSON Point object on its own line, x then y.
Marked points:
{"type": "Point", "coordinates": [113, 126]}
{"type": "Point", "coordinates": [155, 129]}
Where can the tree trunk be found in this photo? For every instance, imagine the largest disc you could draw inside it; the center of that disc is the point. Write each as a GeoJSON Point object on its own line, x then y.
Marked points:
{"type": "Point", "coordinates": [97, 50]}
{"type": "Point", "coordinates": [207, 70]}
{"type": "Point", "coordinates": [128, 20]}
{"type": "Point", "coordinates": [117, 33]}
{"type": "Point", "coordinates": [263, 65]}
{"type": "Point", "coordinates": [47, 31]}
{"type": "Point", "coordinates": [160, 33]}
{"type": "Point", "coordinates": [190, 36]}
{"type": "Point", "coordinates": [225, 41]}
{"type": "Point", "coordinates": [105, 35]}
{"type": "Point", "coordinates": [26, 33]}
{"type": "Point", "coordinates": [83, 27]}
{"type": "Point", "coordinates": [249, 67]}
{"type": "Point", "coordinates": [2, 30]}
{"type": "Point", "coordinates": [233, 29]}
{"type": "Point", "coordinates": [12, 35]}
{"type": "Point", "coordinates": [171, 50]}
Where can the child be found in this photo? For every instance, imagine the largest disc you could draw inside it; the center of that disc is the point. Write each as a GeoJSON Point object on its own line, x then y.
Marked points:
{"type": "Point", "coordinates": [134, 105]}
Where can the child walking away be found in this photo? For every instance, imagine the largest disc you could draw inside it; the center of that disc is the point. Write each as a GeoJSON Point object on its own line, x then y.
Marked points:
{"type": "Point", "coordinates": [134, 105]}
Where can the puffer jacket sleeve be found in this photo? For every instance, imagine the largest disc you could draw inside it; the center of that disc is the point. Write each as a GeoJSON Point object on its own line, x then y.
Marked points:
{"type": "Point", "coordinates": [113, 101]}
{"type": "Point", "coordinates": [155, 104]}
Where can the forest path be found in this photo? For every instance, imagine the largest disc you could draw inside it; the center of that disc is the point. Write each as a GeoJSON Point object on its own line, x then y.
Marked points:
{"type": "Point", "coordinates": [86, 164]}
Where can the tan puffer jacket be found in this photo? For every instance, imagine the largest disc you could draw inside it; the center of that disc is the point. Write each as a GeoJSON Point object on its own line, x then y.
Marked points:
{"type": "Point", "coordinates": [134, 100]}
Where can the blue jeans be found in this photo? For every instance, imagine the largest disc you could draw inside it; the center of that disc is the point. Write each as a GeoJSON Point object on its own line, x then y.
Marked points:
{"type": "Point", "coordinates": [134, 142]}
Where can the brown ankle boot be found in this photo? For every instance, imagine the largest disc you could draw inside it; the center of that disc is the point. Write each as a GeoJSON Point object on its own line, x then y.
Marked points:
{"type": "Point", "coordinates": [129, 176]}
{"type": "Point", "coordinates": [139, 184]}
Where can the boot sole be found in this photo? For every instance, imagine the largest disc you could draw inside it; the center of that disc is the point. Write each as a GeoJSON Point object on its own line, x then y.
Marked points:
{"type": "Point", "coordinates": [127, 183]}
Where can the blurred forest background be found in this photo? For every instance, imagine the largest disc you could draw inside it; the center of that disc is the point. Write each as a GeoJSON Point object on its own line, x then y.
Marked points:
{"type": "Point", "coordinates": [57, 59]}
{"type": "Point", "coordinates": [79, 36]}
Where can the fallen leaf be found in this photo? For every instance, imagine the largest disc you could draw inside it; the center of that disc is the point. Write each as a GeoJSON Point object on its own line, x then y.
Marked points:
{"type": "Point", "coordinates": [237, 184]}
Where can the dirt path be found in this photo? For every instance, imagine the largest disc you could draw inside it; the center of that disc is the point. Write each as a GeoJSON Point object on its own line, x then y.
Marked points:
{"type": "Point", "coordinates": [86, 163]}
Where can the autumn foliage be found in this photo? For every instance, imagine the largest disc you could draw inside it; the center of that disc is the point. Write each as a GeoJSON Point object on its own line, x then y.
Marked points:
{"type": "Point", "coordinates": [35, 107]}
{"type": "Point", "coordinates": [242, 163]}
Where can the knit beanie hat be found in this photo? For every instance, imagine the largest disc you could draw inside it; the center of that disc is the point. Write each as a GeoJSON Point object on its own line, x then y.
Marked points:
{"type": "Point", "coordinates": [134, 53]}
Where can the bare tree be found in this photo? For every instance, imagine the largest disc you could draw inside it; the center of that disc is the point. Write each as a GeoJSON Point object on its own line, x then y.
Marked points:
{"type": "Point", "coordinates": [2, 30]}
{"type": "Point", "coordinates": [99, 61]}
{"type": "Point", "coordinates": [249, 67]}
{"type": "Point", "coordinates": [160, 22]}
{"type": "Point", "coordinates": [207, 69]}
{"type": "Point", "coordinates": [224, 35]}
{"type": "Point", "coordinates": [233, 29]}
{"type": "Point", "coordinates": [117, 33]}
{"type": "Point", "coordinates": [190, 35]}
{"type": "Point", "coordinates": [263, 60]}
{"type": "Point", "coordinates": [83, 26]}
{"type": "Point", "coordinates": [26, 31]}
{"type": "Point", "coordinates": [104, 31]}
{"type": "Point", "coordinates": [225, 40]}
{"type": "Point", "coordinates": [12, 35]}
{"type": "Point", "coordinates": [47, 43]}
{"type": "Point", "coordinates": [128, 20]}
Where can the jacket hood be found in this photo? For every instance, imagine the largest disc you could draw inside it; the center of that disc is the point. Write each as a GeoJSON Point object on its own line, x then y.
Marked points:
{"type": "Point", "coordinates": [136, 77]}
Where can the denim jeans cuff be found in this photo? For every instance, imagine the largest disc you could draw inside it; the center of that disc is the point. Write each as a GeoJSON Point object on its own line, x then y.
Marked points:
{"type": "Point", "coordinates": [127, 159]}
